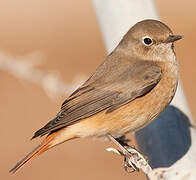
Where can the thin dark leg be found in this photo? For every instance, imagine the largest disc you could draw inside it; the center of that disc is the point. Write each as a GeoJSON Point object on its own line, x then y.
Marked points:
{"type": "Point", "coordinates": [123, 141]}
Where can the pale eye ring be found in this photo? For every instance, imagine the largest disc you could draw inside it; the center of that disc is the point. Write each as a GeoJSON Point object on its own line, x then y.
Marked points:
{"type": "Point", "coordinates": [147, 41]}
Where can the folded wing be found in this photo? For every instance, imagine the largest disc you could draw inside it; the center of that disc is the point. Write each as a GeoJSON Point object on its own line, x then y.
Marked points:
{"type": "Point", "coordinates": [104, 93]}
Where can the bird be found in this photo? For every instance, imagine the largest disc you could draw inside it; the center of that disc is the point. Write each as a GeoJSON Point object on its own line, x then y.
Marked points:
{"type": "Point", "coordinates": [132, 86]}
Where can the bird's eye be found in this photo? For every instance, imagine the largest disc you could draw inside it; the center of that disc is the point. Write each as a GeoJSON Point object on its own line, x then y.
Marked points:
{"type": "Point", "coordinates": [147, 41]}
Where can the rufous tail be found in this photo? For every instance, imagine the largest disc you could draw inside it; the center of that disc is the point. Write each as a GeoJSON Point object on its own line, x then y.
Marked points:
{"type": "Point", "coordinates": [45, 145]}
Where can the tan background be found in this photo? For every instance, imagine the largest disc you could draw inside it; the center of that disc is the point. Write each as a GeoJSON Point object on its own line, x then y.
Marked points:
{"type": "Point", "coordinates": [66, 32]}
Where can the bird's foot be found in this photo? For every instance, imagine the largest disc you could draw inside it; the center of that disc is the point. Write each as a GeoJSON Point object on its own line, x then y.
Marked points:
{"type": "Point", "coordinates": [131, 156]}
{"type": "Point", "coordinates": [128, 165]}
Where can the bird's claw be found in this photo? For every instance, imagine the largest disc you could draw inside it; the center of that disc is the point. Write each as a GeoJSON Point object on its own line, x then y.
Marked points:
{"type": "Point", "coordinates": [132, 157]}
{"type": "Point", "coordinates": [129, 166]}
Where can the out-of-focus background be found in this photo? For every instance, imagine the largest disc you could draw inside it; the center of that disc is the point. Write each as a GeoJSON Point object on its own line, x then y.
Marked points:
{"type": "Point", "coordinates": [59, 42]}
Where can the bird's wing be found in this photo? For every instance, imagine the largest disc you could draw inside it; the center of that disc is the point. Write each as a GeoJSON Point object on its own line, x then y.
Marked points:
{"type": "Point", "coordinates": [134, 81]}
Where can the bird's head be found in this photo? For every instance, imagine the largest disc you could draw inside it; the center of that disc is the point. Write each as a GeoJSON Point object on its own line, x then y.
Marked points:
{"type": "Point", "coordinates": [149, 40]}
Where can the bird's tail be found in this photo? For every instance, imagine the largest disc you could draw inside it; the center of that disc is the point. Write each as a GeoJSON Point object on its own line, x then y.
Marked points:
{"type": "Point", "coordinates": [45, 145]}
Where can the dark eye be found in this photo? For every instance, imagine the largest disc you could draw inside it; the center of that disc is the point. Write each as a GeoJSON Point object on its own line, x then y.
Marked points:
{"type": "Point", "coordinates": [147, 41]}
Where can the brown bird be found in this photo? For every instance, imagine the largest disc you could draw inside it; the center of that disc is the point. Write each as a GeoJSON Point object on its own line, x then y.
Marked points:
{"type": "Point", "coordinates": [132, 86]}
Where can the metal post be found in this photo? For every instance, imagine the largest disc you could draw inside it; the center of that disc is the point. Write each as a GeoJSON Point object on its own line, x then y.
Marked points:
{"type": "Point", "coordinates": [169, 138]}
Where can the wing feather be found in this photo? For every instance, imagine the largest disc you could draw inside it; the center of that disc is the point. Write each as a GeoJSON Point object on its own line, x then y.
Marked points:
{"type": "Point", "coordinates": [135, 81]}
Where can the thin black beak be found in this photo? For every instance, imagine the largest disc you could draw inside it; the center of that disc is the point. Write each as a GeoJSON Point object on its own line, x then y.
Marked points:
{"type": "Point", "coordinates": [173, 38]}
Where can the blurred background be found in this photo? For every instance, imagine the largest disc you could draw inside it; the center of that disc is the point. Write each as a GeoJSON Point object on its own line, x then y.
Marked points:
{"type": "Point", "coordinates": [59, 42]}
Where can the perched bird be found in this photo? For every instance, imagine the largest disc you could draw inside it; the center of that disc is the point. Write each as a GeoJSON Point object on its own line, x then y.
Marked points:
{"type": "Point", "coordinates": [132, 86]}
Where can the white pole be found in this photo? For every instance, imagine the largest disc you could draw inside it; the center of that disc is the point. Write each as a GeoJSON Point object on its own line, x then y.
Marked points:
{"type": "Point", "coordinates": [115, 17]}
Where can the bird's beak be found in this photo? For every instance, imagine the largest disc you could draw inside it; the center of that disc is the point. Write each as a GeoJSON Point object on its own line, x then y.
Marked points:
{"type": "Point", "coordinates": [173, 38]}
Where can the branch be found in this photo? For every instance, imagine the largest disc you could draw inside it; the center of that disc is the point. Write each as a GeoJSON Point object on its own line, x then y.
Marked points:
{"type": "Point", "coordinates": [168, 173]}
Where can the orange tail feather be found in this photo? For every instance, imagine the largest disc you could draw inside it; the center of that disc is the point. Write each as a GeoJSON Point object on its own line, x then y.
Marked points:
{"type": "Point", "coordinates": [37, 151]}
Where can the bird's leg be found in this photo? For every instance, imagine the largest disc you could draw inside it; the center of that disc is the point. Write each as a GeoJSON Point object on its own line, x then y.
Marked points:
{"type": "Point", "coordinates": [122, 144]}
{"type": "Point", "coordinates": [123, 141]}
